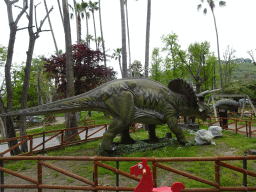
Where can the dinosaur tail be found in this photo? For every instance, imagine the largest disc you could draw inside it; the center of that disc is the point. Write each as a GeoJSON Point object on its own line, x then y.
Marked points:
{"type": "Point", "coordinates": [80, 102]}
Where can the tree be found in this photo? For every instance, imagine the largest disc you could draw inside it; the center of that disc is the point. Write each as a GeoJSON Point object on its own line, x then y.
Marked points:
{"type": "Point", "coordinates": [50, 24]}
{"type": "Point", "coordinates": [156, 60]}
{"type": "Point", "coordinates": [117, 55]}
{"type": "Point", "coordinates": [147, 38]}
{"type": "Point", "coordinates": [136, 69]}
{"type": "Point", "coordinates": [71, 117]}
{"type": "Point", "coordinates": [124, 53]}
{"type": "Point", "coordinates": [128, 34]}
{"type": "Point", "coordinates": [89, 38]}
{"type": "Point", "coordinates": [198, 66]}
{"type": "Point", "coordinates": [172, 48]}
{"type": "Point", "coordinates": [102, 39]}
{"type": "Point", "coordinates": [88, 76]}
{"type": "Point", "coordinates": [32, 39]}
{"type": "Point", "coordinates": [13, 25]}
{"type": "Point", "coordinates": [251, 53]}
{"type": "Point", "coordinates": [211, 4]}
{"type": "Point", "coordinates": [229, 64]}
{"type": "Point", "coordinates": [93, 7]}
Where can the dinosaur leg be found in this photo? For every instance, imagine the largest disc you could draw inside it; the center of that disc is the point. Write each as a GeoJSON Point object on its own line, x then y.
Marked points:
{"type": "Point", "coordinates": [173, 125]}
{"type": "Point", "coordinates": [122, 105]}
{"type": "Point", "coordinates": [125, 136]}
{"type": "Point", "coordinates": [152, 133]}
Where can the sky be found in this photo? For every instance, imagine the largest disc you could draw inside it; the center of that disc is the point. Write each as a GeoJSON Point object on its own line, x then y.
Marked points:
{"type": "Point", "coordinates": [235, 24]}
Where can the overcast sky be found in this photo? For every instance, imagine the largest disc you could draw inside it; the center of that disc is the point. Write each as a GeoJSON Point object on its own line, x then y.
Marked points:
{"type": "Point", "coordinates": [235, 24]}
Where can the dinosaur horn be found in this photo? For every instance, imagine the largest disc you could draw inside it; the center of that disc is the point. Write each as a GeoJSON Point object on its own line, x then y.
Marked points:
{"type": "Point", "coordinates": [203, 94]}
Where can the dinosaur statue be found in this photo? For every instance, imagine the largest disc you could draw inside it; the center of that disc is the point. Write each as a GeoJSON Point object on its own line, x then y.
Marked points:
{"type": "Point", "coordinates": [129, 100]}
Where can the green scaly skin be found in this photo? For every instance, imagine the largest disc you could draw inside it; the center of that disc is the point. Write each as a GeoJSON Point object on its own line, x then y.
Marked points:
{"type": "Point", "coordinates": [139, 100]}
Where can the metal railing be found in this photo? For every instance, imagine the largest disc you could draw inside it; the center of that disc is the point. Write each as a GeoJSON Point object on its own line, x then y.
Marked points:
{"type": "Point", "coordinates": [216, 184]}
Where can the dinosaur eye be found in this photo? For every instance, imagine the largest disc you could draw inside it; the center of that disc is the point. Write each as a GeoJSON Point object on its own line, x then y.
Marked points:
{"type": "Point", "coordinates": [140, 166]}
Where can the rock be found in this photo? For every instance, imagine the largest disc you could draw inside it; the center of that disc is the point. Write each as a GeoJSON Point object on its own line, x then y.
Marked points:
{"type": "Point", "coordinates": [216, 131]}
{"type": "Point", "coordinates": [204, 137]}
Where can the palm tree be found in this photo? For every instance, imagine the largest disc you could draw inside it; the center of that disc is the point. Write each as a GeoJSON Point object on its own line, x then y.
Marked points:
{"type": "Point", "coordinates": [117, 55]}
{"type": "Point", "coordinates": [128, 35]}
{"type": "Point", "coordinates": [71, 117]}
{"type": "Point", "coordinates": [93, 7]}
{"type": "Point", "coordinates": [101, 31]}
{"type": "Point", "coordinates": [147, 38]}
{"type": "Point", "coordinates": [89, 39]}
{"type": "Point", "coordinates": [211, 3]}
{"type": "Point", "coordinates": [124, 56]}
{"type": "Point", "coordinates": [50, 24]}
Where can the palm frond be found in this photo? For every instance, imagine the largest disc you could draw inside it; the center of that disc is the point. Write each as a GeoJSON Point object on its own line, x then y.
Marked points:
{"type": "Point", "coordinates": [222, 3]}
{"type": "Point", "coordinates": [199, 7]}
{"type": "Point", "coordinates": [205, 11]}
{"type": "Point", "coordinates": [211, 4]}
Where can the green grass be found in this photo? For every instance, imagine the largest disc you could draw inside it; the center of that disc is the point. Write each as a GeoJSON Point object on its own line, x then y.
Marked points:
{"type": "Point", "coordinates": [230, 143]}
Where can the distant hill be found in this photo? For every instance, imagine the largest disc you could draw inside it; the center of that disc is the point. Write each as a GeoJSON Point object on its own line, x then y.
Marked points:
{"type": "Point", "coordinates": [245, 70]}
{"type": "Point", "coordinates": [242, 60]}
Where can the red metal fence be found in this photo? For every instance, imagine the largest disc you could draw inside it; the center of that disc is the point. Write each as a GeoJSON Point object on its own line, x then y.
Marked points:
{"type": "Point", "coordinates": [238, 125]}
{"type": "Point", "coordinates": [93, 185]}
{"type": "Point", "coordinates": [63, 142]}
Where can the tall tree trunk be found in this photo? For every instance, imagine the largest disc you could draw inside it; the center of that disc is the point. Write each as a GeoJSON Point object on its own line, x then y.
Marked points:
{"type": "Point", "coordinates": [71, 117]}
{"type": "Point", "coordinates": [218, 48]}
{"type": "Point", "coordinates": [87, 30]}
{"type": "Point", "coordinates": [13, 29]}
{"type": "Point", "coordinates": [60, 13]}
{"type": "Point", "coordinates": [50, 24]}
{"type": "Point", "coordinates": [94, 29]}
{"type": "Point", "coordinates": [124, 55]}
{"type": "Point", "coordinates": [39, 88]}
{"type": "Point", "coordinates": [76, 16]}
{"type": "Point", "coordinates": [103, 42]}
{"type": "Point", "coordinates": [79, 29]}
{"type": "Point", "coordinates": [32, 39]}
{"type": "Point", "coordinates": [147, 38]}
{"type": "Point", "coordinates": [128, 35]}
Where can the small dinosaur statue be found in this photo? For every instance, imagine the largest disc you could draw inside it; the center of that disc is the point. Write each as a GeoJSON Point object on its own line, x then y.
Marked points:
{"type": "Point", "coordinates": [139, 100]}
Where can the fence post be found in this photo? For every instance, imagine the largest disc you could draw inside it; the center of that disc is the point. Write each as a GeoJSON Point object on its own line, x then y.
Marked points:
{"type": "Point", "coordinates": [245, 168]}
{"type": "Point", "coordinates": [250, 129]}
{"type": "Point", "coordinates": [62, 138]}
{"type": "Point", "coordinates": [39, 172]}
{"type": "Point", "coordinates": [31, 143]}
{"type": "Point", "coordinates": [217, 172]}
{"type": "Point", "coordinates": [95, 175]}
{"type": "Point", "coordinates": [236, 126]}
{"type": "Point", "coordinates": [246, 129]}
{"type": "Point", "coordinates": [117, 174]}
{"type": "Point", "coordinates": [2, 173]}
{"type": "Point", "coordinates": [154, 172]}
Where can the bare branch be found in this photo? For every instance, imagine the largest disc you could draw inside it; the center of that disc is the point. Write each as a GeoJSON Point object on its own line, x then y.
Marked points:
{"type": "Point", "coordinates": [21, 13]}
{"type": "Point", "coordinates": [24, 28]}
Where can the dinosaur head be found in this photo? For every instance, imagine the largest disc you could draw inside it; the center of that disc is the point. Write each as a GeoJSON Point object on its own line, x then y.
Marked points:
{"type": "Point", "coordinates": [195, 105]}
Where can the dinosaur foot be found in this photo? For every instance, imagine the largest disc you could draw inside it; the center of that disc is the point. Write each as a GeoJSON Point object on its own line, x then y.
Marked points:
{"type": "Point", "coordinates": [182, 141]}
{"type": "Point", "coordinates": [153, 139]}
{"type": "Point", "coordinates": [127, 140]}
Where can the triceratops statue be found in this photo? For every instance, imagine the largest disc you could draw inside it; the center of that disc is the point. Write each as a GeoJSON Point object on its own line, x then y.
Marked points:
{"type": "Point", "coordinates": [139, 100]}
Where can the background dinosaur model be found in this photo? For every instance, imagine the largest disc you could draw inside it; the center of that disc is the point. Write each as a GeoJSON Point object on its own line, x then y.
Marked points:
{"type": "Point", "coordinates": [139, 100]}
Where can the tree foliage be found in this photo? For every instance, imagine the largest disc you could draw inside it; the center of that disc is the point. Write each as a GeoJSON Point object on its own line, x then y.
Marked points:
{"type": "Point", "coordinates": [87, 75]}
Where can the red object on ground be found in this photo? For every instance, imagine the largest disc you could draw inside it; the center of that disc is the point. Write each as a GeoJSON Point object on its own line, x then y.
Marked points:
{"type": "Point", "coordinates": [146, 182]}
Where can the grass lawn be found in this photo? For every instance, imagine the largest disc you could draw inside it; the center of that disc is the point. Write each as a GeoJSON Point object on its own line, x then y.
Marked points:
{"type": "Point", "coordinates": [230, 144]}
